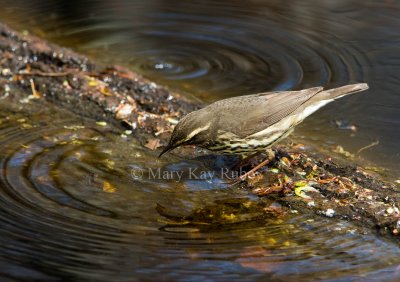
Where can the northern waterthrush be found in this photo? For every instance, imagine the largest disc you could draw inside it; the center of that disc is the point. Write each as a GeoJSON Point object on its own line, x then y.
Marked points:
{"type": "Point", "coordinates": [251, 123]}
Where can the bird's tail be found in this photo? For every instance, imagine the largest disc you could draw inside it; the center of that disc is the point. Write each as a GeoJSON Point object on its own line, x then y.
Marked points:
{"type": "Point", "coordinates": [339, 92]}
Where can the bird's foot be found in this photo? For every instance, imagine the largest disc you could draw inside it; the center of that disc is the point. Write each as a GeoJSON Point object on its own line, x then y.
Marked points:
{"type": "Point", "coordinates": [270, 157]}
{"type": "Point", "coordinates": [243, 177]}
{"type": "Point", "coordinates": [245, 161]}
{"type": "Point", "coordinates": [271, 154]}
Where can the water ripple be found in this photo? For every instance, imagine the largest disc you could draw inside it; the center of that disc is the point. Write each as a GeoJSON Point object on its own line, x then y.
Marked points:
{"type": "Point", "coordinates": [69, 206]}
{"type": "Point", "coordinates": [224, 52]}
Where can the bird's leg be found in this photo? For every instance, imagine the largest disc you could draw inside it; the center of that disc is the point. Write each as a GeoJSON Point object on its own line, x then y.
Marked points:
{"type": "Point", "coordinates": [271, 156]}
{"type": "Point", "coordinates": [253, 170]}
{"type": "Point", "coordinates": [245, 161]}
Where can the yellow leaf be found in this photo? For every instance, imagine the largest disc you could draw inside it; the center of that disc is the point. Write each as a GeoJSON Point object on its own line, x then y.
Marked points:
{"type": "Point", "coordinates": [301, 191]}
{"type": "Point", "coordinates": [101, 123]}
{"type": "Point", "coordinates": [108, 187]}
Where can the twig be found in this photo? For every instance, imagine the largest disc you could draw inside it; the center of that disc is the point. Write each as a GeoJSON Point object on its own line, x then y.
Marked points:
{"type": "Point", "coordinates": [39, 73]}
{"type": "Point", "coordinates": [34, 92]}
{"type": "Point", "coordinates": [367, 147]}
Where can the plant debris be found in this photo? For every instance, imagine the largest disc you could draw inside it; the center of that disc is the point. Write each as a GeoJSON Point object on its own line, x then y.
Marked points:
{"type": "Point", "coordinates": [330, 189]}
{"type": "Point", "coordinates": [153, 144]}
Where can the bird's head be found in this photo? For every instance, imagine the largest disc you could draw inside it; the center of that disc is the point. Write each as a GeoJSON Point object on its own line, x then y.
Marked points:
{"type": "Point", "coordinates": [193, 129]}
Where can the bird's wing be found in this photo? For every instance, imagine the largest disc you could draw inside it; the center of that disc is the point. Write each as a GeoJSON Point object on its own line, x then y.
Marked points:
{"type": "Point", "coordinates": [262, 110]}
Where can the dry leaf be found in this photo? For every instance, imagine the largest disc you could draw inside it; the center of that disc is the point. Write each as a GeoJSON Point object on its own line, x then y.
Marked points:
{"type": "Point", "coordinates": [153, 144]}
{"type": "Point", "coordinates": [105, 91]}
{"type": "Point", "coordinates": [124, 111]}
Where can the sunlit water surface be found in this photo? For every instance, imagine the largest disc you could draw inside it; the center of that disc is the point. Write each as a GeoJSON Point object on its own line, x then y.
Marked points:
{"type": "Point", "coordinates": [73, 204]}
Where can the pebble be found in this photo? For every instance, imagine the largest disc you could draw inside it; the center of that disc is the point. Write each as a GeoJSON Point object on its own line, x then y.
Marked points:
{"type": "Point", "coordinates": [390, 210]}
{"type": "Point", "coordinates": [329, 212]}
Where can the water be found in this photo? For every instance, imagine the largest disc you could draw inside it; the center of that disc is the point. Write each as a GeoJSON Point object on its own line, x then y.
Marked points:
{"type": "Point", "coordinates": [216, 50]}
{"type": "Point", "coordinates": [73, 204]}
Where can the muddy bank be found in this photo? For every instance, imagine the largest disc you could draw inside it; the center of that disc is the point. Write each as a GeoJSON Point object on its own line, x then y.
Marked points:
{"type": "Point", "coordinates": [35, 71]}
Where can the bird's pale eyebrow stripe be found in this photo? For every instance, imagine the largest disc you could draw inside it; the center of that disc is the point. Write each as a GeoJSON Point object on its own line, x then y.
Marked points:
{"type": "Point", "coordinates": [197, 131]}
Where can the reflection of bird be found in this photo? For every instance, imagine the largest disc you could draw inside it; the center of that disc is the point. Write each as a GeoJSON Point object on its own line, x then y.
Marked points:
{"type": "Point", "coordinates": [251, 123]}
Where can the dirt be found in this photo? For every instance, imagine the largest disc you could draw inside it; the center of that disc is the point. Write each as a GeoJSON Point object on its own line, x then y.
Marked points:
{"type": "Point", "coordinates": [33, 69]}
{"type": "Point", "coordinates": [36, 71]}
{"type": "Point", "coordinates": [330, 188]}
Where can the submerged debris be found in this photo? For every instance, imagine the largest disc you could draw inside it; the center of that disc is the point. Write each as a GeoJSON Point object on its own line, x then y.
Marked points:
{"type": "Point", "coordinates": [153, 144]}
{"type": "Point", "coordinates": [345, 125]}
{"type": "Point", "coordinates": [228, 211]}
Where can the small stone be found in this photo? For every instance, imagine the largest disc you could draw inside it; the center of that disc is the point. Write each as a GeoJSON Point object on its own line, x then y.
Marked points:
{"type": "Point", "coordinates": [311, 204]}
{"type": "Point", "coordinates": [6, 72]}
{"type": "Point", "coordinates": [390, 210]}
{"type": "Point", "coordinates": [128, 132]}
{"type": "Point", "coordinates": [329, 212]}
{"type": "Point", "coordinates": [7, 88]}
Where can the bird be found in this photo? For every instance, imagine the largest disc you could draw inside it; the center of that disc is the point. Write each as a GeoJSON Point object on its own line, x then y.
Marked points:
{"type": "Point", "coordinates": [248, 124]}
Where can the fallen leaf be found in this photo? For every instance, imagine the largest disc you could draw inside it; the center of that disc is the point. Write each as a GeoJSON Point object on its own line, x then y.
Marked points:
{"type": "Point", "coordinates": [124, 111]}
{"type": "Point", "coordinates": [101, 123]}
{"type": "Point", "coordinates": [301, 191]}
{"type": "Point", "coordinates": [339, 149]}
{"type": "Point", "coordinates": [153, 144]}
{"type": "Point", "coordinates": [108, 187]}
{"type": "Point", "coordinates": [105, 91]}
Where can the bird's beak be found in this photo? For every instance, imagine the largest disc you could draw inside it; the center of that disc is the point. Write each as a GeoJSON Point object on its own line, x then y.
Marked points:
{"type": "Point", "coordinates": [168, 148]}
